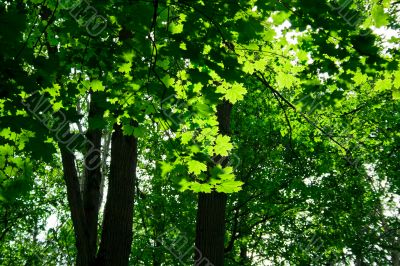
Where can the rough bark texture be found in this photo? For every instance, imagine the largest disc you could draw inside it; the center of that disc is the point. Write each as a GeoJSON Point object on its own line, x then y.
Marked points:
{"type": "Point", "coordinates": [210, 222]}
{"type": "Point", "coordinates": [92, 181]}
{"type": "Point", "coordinates": [116, 236]}
{"type": "Point", "coordinates": [210, 229]}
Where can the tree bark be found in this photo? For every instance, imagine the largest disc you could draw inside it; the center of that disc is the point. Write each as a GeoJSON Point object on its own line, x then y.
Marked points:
{"type": "Point", "coordinates": [93, 177]}
{"type": "Point", "coordinates": [117, 232]}
{"type": "Point", "coordinates": [210, 221]}
{"type": "Point", "coordinates": [159, 222]}
{"type": "Point", "coordinates": [76, 206]}
{"type": "Point", "coordinates": [210, 229]}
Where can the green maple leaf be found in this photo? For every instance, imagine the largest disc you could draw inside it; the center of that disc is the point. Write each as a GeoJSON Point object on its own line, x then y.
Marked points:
{"type": "Point", "coordinates": [383, 84]}
{"type": "Point", "coordinates": [185, 185]}
{"type": "Point", "coordinates": [6, 150]}
{"type": "Point", "coordinates": [125, 68]}
{"type": "Point", "coordinates": [248, 67]}
{"type": "Point", "coordinates": [166, 168]}
{"type": "Point", "coordinates": [97, 85]}
{"type": "Point", "coordinates": [359, 78]}
{"type": "Point", "coordinates": [396, 81]}
{"type": "Point", "coordinates": [197, 87]}
{"type": "Point", "coordinates": [222, 145]}
{"type": "Point", "coordinates": [230, 186]}
{"type": "Point", "coordinates": [235, 93]}
{"type": "Point", "coordinates": [379, 16]}
{"type": "Point", "coordinates": [227, 174]}
{"type": "Point", "coordinates": [198, 187]}
{"type": "Point", "coordinates": [396, 94]}
{"type": "Point", "coordinates": [186, 137]}
{"type": "Point", "coordinates": [176, 28]}
{"type": "Point", "coordinates": [167, 80]}
{"type": "Point", "coordinates": [196, 167]}
{"type": "Point", "coordinates": [139, 132]}
{"type": "Point", "coordinates": [285, 80]}
{"type": "Point", "coordinates": [260, 64]}
{"type": "Point", "coordinates": [57, 106]}
{"type": "Point", "coordinates": [128, 130]}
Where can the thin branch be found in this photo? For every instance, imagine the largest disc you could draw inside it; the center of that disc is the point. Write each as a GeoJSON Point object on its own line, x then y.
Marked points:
{"type": "Point", "coordinates": [353, 111]}
{"type": "Point", "coordinates": [261, 78]}
{"type": "Point", "coordinates": [287, 120]}
{"type": "Point", "coordinates": [29, 35]}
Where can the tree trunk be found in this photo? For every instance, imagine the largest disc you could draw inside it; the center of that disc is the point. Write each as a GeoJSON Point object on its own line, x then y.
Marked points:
{"type": "Point", "coordinates": [117, 232]}
{"type": "Point", "coordinates": [210, 229]}
{"type": "Point", "coordinates": [76, 205]}
{"type": "Point", "coordinates": [158, 221]}
{"type": "Point", "coordinates": [210, 221]}
{"type": "Point", "coordinates": [93, 177]}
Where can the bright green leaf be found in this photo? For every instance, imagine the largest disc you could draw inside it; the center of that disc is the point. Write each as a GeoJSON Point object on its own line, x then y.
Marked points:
{"type": "Point", "coordinates": [196, 167]}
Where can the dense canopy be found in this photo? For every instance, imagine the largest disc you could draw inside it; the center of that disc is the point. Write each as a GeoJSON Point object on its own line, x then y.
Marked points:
{"type": "Point", "coordinates": [197, 132]}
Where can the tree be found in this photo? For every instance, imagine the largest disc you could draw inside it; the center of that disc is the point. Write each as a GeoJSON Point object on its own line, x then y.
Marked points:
{"type": "Point", "coordinates": [268, 111]}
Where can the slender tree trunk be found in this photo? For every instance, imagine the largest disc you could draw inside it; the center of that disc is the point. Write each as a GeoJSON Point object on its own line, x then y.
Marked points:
{"type": "Point", "coordinates": [158, 221]}
{"type": "Point", "coordinates": [104, 166]}
{"type": "Point", "coordinates": [71, 179]}
{"type": "Point", "coordinates": [92, 179]}
{"type": "Point", "coordinates": [117, 232]}
{"type": "Point", "coordinates": [210, 221]}
{"type": "Point", "coordinates": [76, 206]}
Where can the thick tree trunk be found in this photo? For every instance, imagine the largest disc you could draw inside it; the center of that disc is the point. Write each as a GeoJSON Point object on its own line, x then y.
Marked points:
{"type": "Point", "coordinates": [210, 229]}
{"type": "Point", "coordinates": [116, 236]}
{"type": "Point", "coordinates": [93, 177]}
{"type": "Point", "coordinates": [210, 222]}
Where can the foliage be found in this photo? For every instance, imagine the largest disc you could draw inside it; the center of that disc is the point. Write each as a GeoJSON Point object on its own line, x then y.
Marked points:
{"type": "Point", "coordinates": [312, 160]}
